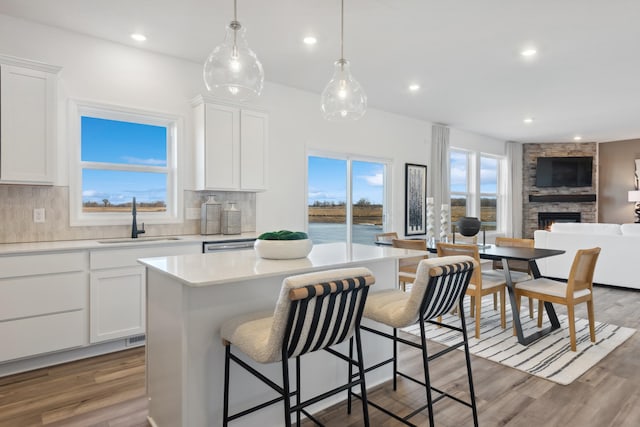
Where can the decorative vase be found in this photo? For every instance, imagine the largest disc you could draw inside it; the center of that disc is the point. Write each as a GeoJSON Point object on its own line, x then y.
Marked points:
{"type": "Point", "coordinates": [431, 235]}
{"type": "Point", "coordinates": [283, 249]}
{"type": "Point", "coordinates": [469, 226]}
{"type": "Point", "coordinates": [444, 222]}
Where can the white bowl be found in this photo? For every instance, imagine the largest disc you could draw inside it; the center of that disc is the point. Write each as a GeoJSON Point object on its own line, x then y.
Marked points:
{"type": "Point", "coordinates": [283, 249]}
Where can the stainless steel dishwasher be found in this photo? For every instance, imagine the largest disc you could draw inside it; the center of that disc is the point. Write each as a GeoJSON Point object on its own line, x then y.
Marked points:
{"type": "Point", "coordinates": [228, 245]}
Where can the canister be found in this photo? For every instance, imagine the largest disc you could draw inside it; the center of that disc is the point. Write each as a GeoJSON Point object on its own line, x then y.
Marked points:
{"type": "Point", "coordinates": [210, 213]}
{"type": "Point", "coordinates": [231, 219]}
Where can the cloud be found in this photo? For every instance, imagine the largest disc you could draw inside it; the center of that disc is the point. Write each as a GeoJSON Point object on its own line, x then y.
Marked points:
{"type": "Point", "coordinates": [376, 180]}
{"type": "Point", "coordinates": [148, 162]}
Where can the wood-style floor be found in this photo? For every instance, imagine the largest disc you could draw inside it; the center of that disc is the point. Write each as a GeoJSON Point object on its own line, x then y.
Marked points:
{"type": "Point", "coordinates": [109, 390]}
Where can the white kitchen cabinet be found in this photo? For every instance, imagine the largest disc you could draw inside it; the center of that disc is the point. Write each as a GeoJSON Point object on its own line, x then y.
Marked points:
{"type": "Point", "coordinates": [27, 121]}
{"type": "Point", "coordinates": [117, 290]}
{"type": "Point", "coordinates": [231, 147]}
{"type": "Point", "coordinates": [43, 303]}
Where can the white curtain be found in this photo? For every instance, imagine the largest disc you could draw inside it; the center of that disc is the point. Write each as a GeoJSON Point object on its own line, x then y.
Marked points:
{"type": "Point", "coordinates": [439, 174]}
{"type": "Point", "coordinates": [512, 190]}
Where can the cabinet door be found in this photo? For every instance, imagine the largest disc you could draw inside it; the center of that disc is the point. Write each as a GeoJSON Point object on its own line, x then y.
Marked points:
{"type": "Point", "coordinates": [253, 150]}
{"type": "Point", "coordinates": [222, 147]}
{"type": "Point", "coordinates": [117, 303]}
{"type": "Point", "coordinates": [27, 105]}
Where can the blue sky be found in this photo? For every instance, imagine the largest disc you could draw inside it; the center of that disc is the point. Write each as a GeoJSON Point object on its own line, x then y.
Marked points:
{"type": "Point", "coordinates": [111, 141]}
{"type": "Point", "coordinates": [459, 170]}
{"type": "Point", "coordinates": [328, 178]}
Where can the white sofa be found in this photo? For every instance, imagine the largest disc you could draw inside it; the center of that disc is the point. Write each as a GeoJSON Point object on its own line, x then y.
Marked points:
{"type": "Point", "coordinates": [619, 261]}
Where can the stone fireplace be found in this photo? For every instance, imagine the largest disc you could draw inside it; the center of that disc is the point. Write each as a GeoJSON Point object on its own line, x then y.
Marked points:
{"type": "Point", "coordinates": [547, 219]}
{"type": "Point", "coordinates": [580, 202]}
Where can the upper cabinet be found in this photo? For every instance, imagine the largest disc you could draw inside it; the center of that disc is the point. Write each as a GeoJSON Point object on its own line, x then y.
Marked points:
{"type": "Point", "coordinates": [231, 147]}
{"type": "Point", "coordinates": [27, 121]}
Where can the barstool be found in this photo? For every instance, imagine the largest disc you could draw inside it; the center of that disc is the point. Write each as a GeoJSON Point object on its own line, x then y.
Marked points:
{"type": "Point", "coordinates": [440, 284]}
{"type": "Point", "coordinates": [314, 311]}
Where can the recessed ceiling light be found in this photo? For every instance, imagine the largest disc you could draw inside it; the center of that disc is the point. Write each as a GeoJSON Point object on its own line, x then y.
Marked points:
{"type": "Point", "coordinates": [138, 37]}
{"type": "Point", "coordinates": [577, 138]}
{"type": "Point", "coordinates": [528, 120]}
{"type": "Point", "coordinates": [529, 52]}
{"type": "Point", "coordinates": [414, 87]}
{"type": "Point", "coordinates": [310, 40]}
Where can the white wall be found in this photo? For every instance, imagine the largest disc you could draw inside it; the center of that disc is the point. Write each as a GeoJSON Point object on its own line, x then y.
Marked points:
{"type": "Point", "coordinates": [111, 73]}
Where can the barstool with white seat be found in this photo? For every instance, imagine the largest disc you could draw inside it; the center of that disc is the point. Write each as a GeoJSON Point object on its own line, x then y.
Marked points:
{"type": "Point", "coordinates": [314, 311]}
{"type": "Point", "coordinates": [440, 285]}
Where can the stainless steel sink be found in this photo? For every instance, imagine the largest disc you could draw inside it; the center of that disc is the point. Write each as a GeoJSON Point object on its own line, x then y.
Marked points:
{"type": "Point", "coordinates": [139, 239]}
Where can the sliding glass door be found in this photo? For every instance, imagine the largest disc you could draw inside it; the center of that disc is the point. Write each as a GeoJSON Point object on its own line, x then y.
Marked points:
{"type": "Point", "coordinates": [346, 199]}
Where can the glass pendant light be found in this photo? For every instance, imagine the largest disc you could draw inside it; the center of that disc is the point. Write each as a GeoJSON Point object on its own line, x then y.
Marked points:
{"type": "Point", "coordinates": [232, 70]}
{"type": "Point", "coordinates": [343, 98]}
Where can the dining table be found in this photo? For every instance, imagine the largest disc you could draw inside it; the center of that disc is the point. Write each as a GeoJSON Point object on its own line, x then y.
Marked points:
{"type": "Point", "coordinates": [505, 254]}
{"type": "Point", "coordinates": [530, 255]}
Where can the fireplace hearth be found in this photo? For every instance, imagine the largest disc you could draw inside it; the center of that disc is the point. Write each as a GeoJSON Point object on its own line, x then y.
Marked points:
{"type": "Point", "coordinates": [546, 219]}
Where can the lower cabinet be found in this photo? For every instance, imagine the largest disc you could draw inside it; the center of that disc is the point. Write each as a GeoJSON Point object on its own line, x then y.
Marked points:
{"type": "Point", "coordinates": [117, 291]}
{"type": "Point", "coordinates": [43, 303]}
{"type": "Point", "coordinates": [117, 300]}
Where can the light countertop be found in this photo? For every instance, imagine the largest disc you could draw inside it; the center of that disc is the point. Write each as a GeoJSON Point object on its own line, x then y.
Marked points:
{"type": "Point", "coordinates": [232, 266]}
{"type": "Point", "coordinates": [71, 245]}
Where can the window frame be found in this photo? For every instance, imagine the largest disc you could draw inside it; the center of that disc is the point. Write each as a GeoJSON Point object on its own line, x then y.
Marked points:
{"type": "Point", "coordinates": [473, 193]}
{"type": "Point", "coordinates": [174, 126]}
{"type": "Point", "coordinates": [387, 215]}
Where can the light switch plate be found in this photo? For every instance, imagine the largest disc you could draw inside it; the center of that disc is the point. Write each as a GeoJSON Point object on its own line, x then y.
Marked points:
{"type": "Point", "coordinates": [193, 213]}
{"type": "Point", "coordinates": [38, 215]}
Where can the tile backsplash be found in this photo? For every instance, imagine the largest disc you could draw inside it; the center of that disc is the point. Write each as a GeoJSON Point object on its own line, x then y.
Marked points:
{"type": "Point", "coordinates": [17, 203]}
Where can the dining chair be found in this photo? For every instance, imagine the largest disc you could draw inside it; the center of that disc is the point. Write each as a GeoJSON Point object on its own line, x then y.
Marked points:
{"type": "Point", "coordinates": [480, 284]}
{"type": "Point", "coordinates": [459, 238]}
{"type": "Point", "coordinates": [439, 287]}
{"type": "Point", "coordinates": [408, 266]}
{"type": "Point", "coordinates": [519, 270]}
{"type": "Point", "coordinates": [386, 237]}
{"type": "Point", "coordinates": [577, 289]}
{"type": "Point", "coordinates": [314, 311]}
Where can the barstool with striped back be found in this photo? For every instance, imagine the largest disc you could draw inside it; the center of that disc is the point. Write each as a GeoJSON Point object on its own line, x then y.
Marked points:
{"type": "Point", "coordinates": [439, 286]}
{"type": "Point", "coordinates": [314, 311]}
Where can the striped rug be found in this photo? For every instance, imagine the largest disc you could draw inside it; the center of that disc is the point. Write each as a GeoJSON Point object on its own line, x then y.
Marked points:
{"type": "Point", "coordinates": [549, 357]}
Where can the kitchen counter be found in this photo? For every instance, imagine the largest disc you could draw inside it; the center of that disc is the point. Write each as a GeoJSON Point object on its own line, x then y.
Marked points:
{"type": "Point", "coordinates": [190, 296]}
{"type": "Point", "coordinates": [233, 266]}
{"type": "Point", "coordinates": [72, 245]}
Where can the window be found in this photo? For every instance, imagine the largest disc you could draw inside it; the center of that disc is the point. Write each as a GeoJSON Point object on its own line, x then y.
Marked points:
{"type": "Point", "coordinates": [332, 181]}
{"type": "Point", "coordinates": [474, 187]}
{"type": "Point", "coordinates": [120, 155]}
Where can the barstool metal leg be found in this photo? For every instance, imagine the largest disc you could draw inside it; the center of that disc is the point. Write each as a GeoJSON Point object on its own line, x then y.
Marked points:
{"type": "Point", "coordinates": [298, 382]}
{"type": "Point", "coordinates": [227, 351]}
{"type": "Point", "coordinates": [425, 365]}
{"type": "Point", "coordinates": [349, 394]}
{"type": "Point", "coordinates": [467, 355]}
{"type": "Point", "coordinates": [363, 387]}
{"type": "Point", "coordinates": [395, 359]}
{"type": "Point", "coordinates": [285, 387]}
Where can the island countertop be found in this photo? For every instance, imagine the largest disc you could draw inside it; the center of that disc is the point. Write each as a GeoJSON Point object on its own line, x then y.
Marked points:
{"type": "Point", "coordinates": [199, 270]}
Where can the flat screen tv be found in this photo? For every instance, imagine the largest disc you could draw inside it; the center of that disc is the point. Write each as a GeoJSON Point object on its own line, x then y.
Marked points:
{"type": "Point", "coordinates": [564, 171]}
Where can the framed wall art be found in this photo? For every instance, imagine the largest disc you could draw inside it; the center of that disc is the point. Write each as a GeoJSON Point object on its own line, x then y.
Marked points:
{"type": "Point", "coordinates": [415, 199]}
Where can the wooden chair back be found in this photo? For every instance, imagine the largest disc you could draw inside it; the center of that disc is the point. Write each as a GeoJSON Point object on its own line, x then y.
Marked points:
{"type": "Point", "coordinates": [417, 244]}
{"type": "Point", "coordinates": [386, 237]}
{"type": "Point", "coordinates": [581, 273]}
{"type": "Point", "coordinates": [514, 265]}
{"type": "Point", "coordinates": [455, 249]}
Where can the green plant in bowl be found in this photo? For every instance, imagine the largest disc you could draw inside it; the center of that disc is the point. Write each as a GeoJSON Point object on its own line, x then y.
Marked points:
{"type": "Point", "coordinates": [283, 235]}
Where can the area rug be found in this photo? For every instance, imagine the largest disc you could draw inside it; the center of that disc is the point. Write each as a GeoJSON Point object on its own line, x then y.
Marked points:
{"type": "Point", "coordinates": [549, 357]}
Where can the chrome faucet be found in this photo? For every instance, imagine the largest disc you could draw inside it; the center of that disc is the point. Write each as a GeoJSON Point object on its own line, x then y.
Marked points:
{"type": "Point", "coordinates": [134, 225]}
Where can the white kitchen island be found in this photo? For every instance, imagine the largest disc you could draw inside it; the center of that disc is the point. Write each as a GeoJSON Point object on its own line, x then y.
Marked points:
{"type": "Point", "coordinates": [188, 299]}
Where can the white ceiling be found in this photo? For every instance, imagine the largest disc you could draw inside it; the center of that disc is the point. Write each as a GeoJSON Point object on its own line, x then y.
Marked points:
{"type": "Point", "coordinates": [464, 53]}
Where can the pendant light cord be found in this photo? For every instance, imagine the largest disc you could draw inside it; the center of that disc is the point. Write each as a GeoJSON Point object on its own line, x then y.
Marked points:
{"type": "Point", "coordinates": [342, 31]}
